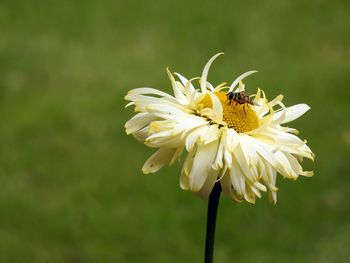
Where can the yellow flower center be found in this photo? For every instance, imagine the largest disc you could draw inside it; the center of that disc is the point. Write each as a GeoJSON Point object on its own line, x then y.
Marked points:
{"type": "Point", "coordinates": [240, 117]}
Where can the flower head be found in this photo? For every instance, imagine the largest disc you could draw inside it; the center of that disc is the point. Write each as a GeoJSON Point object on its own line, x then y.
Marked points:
{"type": "Point", "coordinates": [229, 136]}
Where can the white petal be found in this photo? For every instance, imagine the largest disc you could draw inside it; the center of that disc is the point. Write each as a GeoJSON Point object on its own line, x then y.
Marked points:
{"type": "Point", "coordinates": [286, 139]}
{"type": "Point", "coordinates": [186, 169]}
{"type": "Point", "coordinates": [241, 77]}
{"type": "Point", "coordinates": [249, 150]}
{"type": "Point", "coordinates": [217, 106]}
{"type": "Point", "coordinates": [210, 133]}
{"type": "Point", "coordinates": [307, 173]}
{"type": "Point", "coordinates": [141, 134]}
{"type": "Point", "coordinates": [129, 104]}
{"type": "Point", "coordinates": [242, 161]}
{"type": "Point", "coordinates": [232, 139]}
{"type": "Point", "coordinates": [272, 175]}
{"type": "Point", "coordinates": [237, 178]}
{"type": "Point", "coordinates": [162, 125]}
{"type": "Point", "coordinates": [296, 167]}
{"type": "Point", "coordinates": [266, 152]}
{"type": "Point", "coordinates": [226, 187]}
{"type": "Point", "coordinates": [201, 164]}
{"type": "Point", "coordinates": [218, 163]}
{"type": "Point", "coordinates": [241, 87]}
{"type": "Point", "coordinates": [203, 80]}
{"type": "Point", "coordinates": [164, 139]}
{"type": "Point", "coordinates": [266, 106]}
{"type": "Point", "coordinates": [249, 196]}
{"type": "Point", "coordinates": [220, 87]}
{"type": "Point", "coordinates": [210, 86]}
{"type": "Point", "coordinates": [273, 197]}
{"type": "Point", "coordinates": [192, 94]}
{"type": "Point", "coordinates": [142, 101]}
{"type": "Point", "coordinates": [228, 159]}
{"type": "Point", "coordinates": [187, 84]}
{"type": "Point", "coordinates": [185, 81]}
{"type": "Point", "coordinates": [165, 111]}
{"type": "Point", "coordinates": [139, 121]}
{"type": "Point", "coordinates": [192, 139]}
{"type": "Point", "coordinates": [255, 190]}
{"type": "Point", "coordinates": [158, 160]}
{"type": "Point", "coordinates": [266, 174]}
{"type": "Point", "coordinates": [177, 90]}
{"type": "Point", "coordinates": [184, 181]}
{"type": "Point", "coordinates": [285, 167]}
{"type": "Point", "coordinates": [293, 112]}
{"type": "Point", "coordinates": [146, 90]}
{"type": "Point", "coordinates": [209, 184]}
{"type": "Point", "coordinates": [204, 134]}
{"type": "Point", "coordinates": [279, 117]}
{"type": "Point", "coordinates": [276, 100]}
{"type": "Point", "coordinates": [176, 155]}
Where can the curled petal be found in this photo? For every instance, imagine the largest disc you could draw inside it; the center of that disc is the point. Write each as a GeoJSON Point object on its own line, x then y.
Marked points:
{"type": "Point", "coordinates": [292, 113]}
{"type": "Point", "coordinates": [157, 160]}
{"type": "Point", "coordinates": [241, 77]}
{"type": "Point", "coordinates": [217, 106]}
{"type": "Point", "coordinates": [202, 161]}
{"type": "Point", "coordinates": [203, 80]}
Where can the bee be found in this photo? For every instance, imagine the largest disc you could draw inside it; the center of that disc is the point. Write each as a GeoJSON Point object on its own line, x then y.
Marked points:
{"type": "Point", "coordinates": [240, 97]}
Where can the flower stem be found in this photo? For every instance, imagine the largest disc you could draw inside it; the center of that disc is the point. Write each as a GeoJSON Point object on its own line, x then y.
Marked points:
{"type": "Point", "coordinates": [211, 222]}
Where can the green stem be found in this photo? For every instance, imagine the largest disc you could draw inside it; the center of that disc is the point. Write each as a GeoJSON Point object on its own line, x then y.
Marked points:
{"type": "Point", "coordinates": [211, 222]}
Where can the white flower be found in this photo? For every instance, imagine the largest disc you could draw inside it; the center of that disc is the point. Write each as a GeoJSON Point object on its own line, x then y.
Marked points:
{"type": "Point", "coordinates": [229, 137]}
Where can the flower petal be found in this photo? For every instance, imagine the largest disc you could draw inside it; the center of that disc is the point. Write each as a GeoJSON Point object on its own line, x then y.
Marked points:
{"type": "Point", "coordinates": [293, 112]}
{"type": "Point", "coordinates": [237, 178]}
{"type": "Point", "coordinates": [185, 81]}
{"type": "Point", "coordinates": [157, 160]}
{"type": "Point", "coordinates": [141, 134]}
{"type": "Point", "coordinates": [209, 184]}
{"type": "Point", "coordinates": [232, 140]}
{"type": "Point", "coordinates": [241, 77]}
{"type": "Point", "coordinates": [227, 189]}
{"type": "Point", "coordinates": [217, 106]}
{"type": "Point", "coordinates": [179, 95]}
{"type": "Point", "coordinates": [202, 162]}
{"type": "Point", "coordinates": [139, 121]}
{"type": "Point", "coordinates": [218, 163]}
{"type": "Point", "coordinates": [204, 134]}
{"type": "Point", "coordinates": [203, 80]}
{"type": "Point", "coordinates": [146, 90]}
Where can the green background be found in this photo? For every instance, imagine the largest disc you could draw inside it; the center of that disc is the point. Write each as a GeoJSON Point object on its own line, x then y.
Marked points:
{"type": "Point", "coordinates": [71, 187]}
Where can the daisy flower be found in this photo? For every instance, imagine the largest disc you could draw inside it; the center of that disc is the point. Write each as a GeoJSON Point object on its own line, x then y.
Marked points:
{"type": "Point", "coordinates": [228, 136]}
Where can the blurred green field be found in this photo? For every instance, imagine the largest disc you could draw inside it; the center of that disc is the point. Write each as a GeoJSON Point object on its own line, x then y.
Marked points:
{"type": "Point", "coordinates": [71, 188]}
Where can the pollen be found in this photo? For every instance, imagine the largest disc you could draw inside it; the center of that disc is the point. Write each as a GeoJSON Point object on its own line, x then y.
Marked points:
{"type": "Point", "coordinates": [240, 117]}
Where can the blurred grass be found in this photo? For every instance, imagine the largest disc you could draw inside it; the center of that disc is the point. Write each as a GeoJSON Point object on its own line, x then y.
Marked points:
{"type": "Point", "coordinates": [71, 184]}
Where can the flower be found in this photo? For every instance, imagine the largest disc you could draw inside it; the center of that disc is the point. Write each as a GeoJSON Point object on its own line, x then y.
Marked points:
{"type": "Point", "coordinates": [229, 137]}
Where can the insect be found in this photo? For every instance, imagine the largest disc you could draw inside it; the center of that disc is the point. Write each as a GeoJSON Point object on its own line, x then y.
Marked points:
{"type": "Point", "coordinates": [239, 97]}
